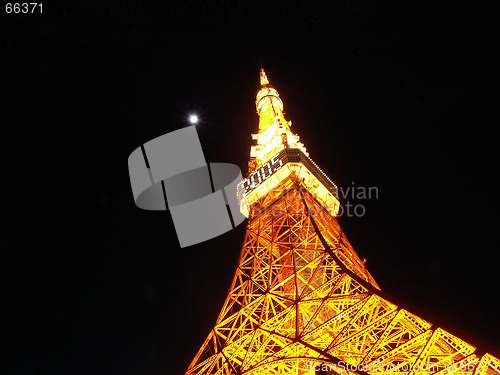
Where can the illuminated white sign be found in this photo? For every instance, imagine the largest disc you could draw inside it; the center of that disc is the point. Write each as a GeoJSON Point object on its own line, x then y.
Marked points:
{"type": "Point", "coordinates": [261, 175]}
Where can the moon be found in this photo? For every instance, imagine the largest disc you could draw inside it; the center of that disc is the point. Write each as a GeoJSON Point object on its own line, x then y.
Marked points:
{"type": "Point", "coordinates": [193, 119]}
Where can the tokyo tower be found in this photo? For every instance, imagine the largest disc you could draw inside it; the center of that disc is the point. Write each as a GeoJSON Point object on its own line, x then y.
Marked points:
{"type": "Point", "coordinates": [301, 300]}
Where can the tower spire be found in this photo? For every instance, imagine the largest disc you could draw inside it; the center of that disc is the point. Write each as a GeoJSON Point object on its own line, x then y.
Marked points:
{"type": "Point", "coordinates": [263, 77]}
{"type": "Point", "coordinates": [274, 130]}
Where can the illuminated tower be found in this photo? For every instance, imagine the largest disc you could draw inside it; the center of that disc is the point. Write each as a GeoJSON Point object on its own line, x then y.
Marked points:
{"type": "Point", "coordinates": [301, 299]}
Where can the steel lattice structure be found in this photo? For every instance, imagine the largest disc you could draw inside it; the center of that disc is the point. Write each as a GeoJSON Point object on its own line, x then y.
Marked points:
{"type": "Point", "coordinates": [301, 298]}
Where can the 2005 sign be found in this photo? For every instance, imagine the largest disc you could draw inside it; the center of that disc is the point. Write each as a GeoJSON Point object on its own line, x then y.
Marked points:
{"type": "Point", "coordinates": [23, 8]}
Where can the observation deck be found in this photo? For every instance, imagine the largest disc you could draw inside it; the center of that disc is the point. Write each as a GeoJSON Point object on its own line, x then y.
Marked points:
{"type": "Point", "coordinates": [286, 163]}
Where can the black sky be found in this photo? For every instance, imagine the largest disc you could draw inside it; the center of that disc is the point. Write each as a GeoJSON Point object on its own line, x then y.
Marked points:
{"type": "Point", "coordinates": [400, 96]}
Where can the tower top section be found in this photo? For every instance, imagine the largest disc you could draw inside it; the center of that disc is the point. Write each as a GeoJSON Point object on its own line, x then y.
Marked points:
{"type": "Point", "coordinates": [274, 130]}
{"type": "Point", "coordinates": [263, 78]}
{"type": "Point", "coordinates": [279, 159]}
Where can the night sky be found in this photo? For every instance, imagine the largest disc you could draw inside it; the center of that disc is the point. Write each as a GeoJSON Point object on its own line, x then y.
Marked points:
{"type": "Point", "coordinates": [396, 96]}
